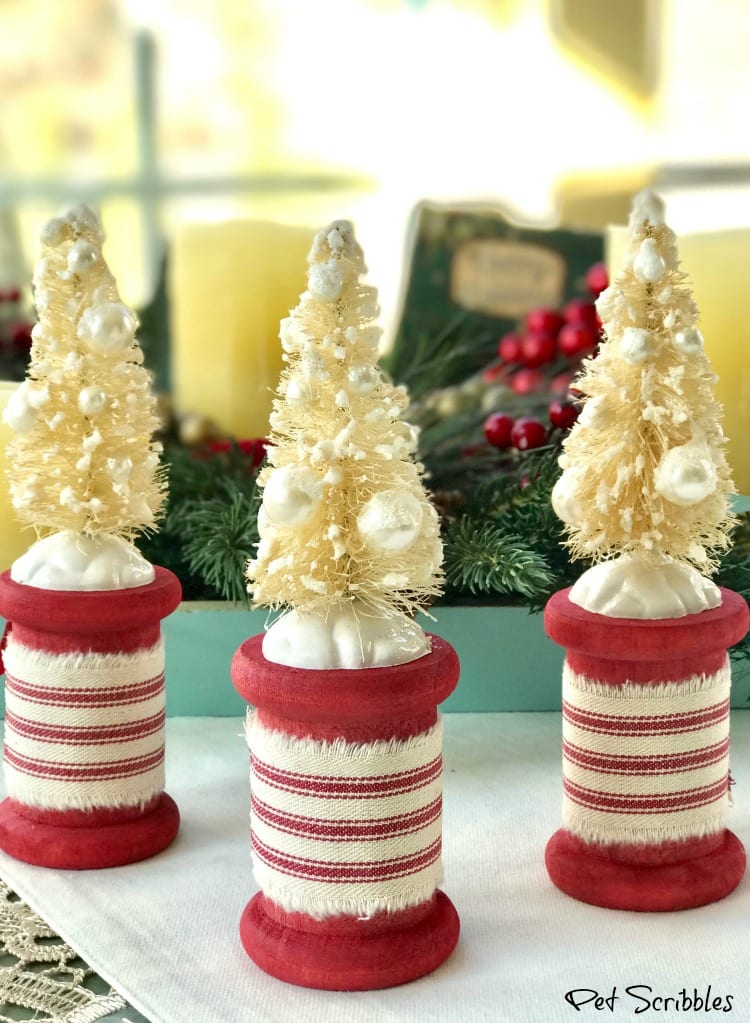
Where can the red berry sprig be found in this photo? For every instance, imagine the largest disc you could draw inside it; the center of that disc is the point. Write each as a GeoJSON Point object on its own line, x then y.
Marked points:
{"type": "Point", "coordinates": [597, 279]}
{"type": "Point", "coordinates": [528, 433]}
{"type": "Point", "coordinates": [498, 428]}
{"type": "Point", "coordinates": [542, 357]}
{"type": "Point", "coordinates": [563, 414]}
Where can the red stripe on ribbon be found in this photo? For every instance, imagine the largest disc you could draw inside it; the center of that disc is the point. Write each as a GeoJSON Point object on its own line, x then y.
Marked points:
{"type": "Point", "coordinates": [342, 787]}
{"type": "Point", "coordinates": [90, 735]}
{"type": "Point", "coordinates": [654, 803]}
{"type": "Point", "coordinates": [113, 696]}
{"type": "Point", "coordinates": [346, 830]}
{"type": "Point", "coordinates": [347, 872]}
{"type": "Point", "coordinates": [655, 764]}
{"type": "Point", "coordinates": [37, 768]}
{"type": "Point", "coordinates": [644, 724]}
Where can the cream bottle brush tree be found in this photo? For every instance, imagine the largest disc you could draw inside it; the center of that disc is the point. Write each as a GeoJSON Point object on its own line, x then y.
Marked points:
{"type": "Point", "coordinates": [645, 485]}
{"type": "Point", "coordinates": [84, 469]}
{"type": "Point", "coordinates": [349, 541]}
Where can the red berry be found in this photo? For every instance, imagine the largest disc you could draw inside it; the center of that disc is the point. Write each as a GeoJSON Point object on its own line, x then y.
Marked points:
{"type": "Point", "coordinates": [497, 429]}
{"type": "Point", "coordinates": [538, 348]}
{"type": "Point", "coordinates": [19, 334]}
{"type": "Point", "coordinates": [563, 414]}
{"type": "Point", "coordinates": [10, 295]}
{"type": "Point", "coordinates": [219, 447]}
{"type": "Point", "coordinates": [577, 339]}
{"type": "Point", "coordinates": [547, 320]}
{"type": "Point", "coordinates": [494, 372]}
{"type": "Point", "coordinates": [597, 279]}
{"type": "Point", "coordinates": [559, 384]}
{"type": "Point", "coordinates": [472, 450]}
{"type": "Point", "coordinates": [509, 348]}
{"type": "Point", "coordinates": [579, 310]}
{"type": "Point", "coordinates": [527, 381]}
{"type": "Point", "coordinates": [255, 448]}
{"type": "Point", "coordinates": [528, 433]}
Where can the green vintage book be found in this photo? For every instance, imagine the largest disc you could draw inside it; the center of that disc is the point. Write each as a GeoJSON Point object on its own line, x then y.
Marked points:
{"type": "Point", "coordinates": [473, 273]}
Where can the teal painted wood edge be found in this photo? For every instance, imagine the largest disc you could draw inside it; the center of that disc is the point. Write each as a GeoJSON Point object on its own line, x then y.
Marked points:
{"type": "Point", "coordinates": [507, 661]}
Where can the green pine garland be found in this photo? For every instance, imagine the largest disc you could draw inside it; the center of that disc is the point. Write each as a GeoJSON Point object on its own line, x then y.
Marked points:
{"type": "Point", "coordinates": [483, 559]}
{"type": "Point", "coordinates": [502, 540]}
{"type": "Point", "coordinates": [210, 526]}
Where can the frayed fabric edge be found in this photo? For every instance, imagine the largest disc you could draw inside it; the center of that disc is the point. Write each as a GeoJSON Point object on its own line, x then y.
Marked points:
{"type": "Point", "coordinates": [83, 802]}
{"type": "Point", "coordinates": [317, 748]}
{"type": "Point", "coordinates": [323, 908]}
{"type": "Point", "coordinates": [650, 836]}
{"type": "Point", "coordinates": [36, 660]}
{"type": "Point", "coordinates": [637, 690]}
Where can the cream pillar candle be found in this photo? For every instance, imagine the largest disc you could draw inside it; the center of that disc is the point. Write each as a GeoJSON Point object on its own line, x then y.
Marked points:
{"type": "Point", "coordinates": [717, 265]}
{"type": "Point", "coordinates": [230, 285]}
{"type": "Point", "coordinates": [12, 541]}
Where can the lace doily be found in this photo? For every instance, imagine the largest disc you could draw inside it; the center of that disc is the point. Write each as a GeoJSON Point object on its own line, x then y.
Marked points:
{"type": "Point", "coordinates": [43, 974]}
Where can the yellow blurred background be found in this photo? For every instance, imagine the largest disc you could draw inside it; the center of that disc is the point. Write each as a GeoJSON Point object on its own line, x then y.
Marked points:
{"type": "Point", "coordinates": [182, 113]}
{"type": "Point", "coordinates": [296, 111]}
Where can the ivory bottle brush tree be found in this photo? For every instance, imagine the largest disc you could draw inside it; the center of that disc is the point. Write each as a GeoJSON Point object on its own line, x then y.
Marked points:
{"type": "Point", "coordinates": [645, 486]}
{"type": "Point", "coordinates": [345, 740]}
{"type": "Point", "coordinates": [85, 706]}
{"type": "Point", "coordinates": [349, 542]}
{"type": "Point", "coordinates": [84, 468]}
{"type": "Point", "coordinates": [646, 683]}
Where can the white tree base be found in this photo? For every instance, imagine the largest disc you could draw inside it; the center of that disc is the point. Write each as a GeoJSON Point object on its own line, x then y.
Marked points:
{"type": "Point", "coordinates": [72, 561]}
{"type": "Point", "coordinates": [631, 587]}
{"type": "Point", "coordinates": [346, 637]}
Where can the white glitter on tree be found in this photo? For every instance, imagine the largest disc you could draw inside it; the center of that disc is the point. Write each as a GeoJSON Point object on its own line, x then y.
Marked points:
{"type": "Point", "coordinates": [83, 462]}
{"type": "Point", "coordinates": [645, 477]}
{"type": "Point", "coordinates": [346, 524]}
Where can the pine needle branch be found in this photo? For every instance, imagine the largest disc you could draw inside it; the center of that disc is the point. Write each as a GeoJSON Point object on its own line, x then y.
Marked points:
{"type": "Point", "coordinates": [484, 559]}
{"type": "Point", "coordinates": [734, 573]}
{"type": "Point", "coordinates": [222, 531]}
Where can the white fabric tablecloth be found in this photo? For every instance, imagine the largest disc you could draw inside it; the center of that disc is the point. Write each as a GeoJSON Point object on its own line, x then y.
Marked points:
{"type": "Point", "coordinates": [164, 931]}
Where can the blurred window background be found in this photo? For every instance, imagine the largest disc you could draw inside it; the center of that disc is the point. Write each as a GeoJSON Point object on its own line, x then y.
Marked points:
{"type": "Point", "coordinates": [298, 112]}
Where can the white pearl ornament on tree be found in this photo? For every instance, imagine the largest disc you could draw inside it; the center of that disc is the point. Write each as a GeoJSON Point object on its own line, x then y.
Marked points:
{"type": "Point", "coordinates": [390, 521]}
{"type": "Point", "coordinates": [689, 341]}
{"type": "Point", "coordinates": [564, 498]}
{"type": "Point", "coordinates": [648, 264]}
{"type": "Point", "coordinates": [637, 345]}
{"type": "Point", "coordinates": [110, 326]}
{"type": "Point", "coordinates": [91, 400]}
{"type": "Point", "coordinates": [292, 495]}
{"type": "Point", "coordinates": [686, 474]}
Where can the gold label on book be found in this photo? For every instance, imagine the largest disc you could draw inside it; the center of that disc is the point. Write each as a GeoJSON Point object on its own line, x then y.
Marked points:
{"type": "Point", "coordinates": [506, 278]}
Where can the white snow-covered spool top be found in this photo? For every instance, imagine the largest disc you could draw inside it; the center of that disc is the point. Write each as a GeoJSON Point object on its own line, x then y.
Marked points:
{"type": "Point", "coordinates": [350, 636]}
{"type": "Point", "coordinates": [71, 561]}
{"type": "Point", "coordinates": [632, 587]}
{"type": "Point", "coordinates": [686, 474]}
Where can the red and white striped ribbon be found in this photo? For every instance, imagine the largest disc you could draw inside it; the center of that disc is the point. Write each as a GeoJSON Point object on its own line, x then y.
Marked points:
{"type": "Point", "coordinates": [645, 763]}
{"type": "Point", "coordinates": [83, 730]}
{"type": "Point", "coordinates": [339, 827]}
